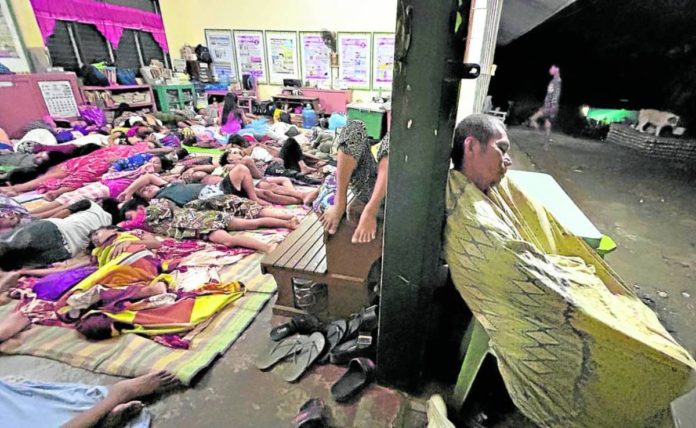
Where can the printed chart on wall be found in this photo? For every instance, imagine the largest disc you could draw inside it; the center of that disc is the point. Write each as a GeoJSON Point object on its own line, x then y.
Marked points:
{"type": "Point", "coordinates": [354, 57]}
{"type": "Point", "coordinates": [59, 98]}
{"type": "Point", "coordinates": [250, 54]}
{"type": "Point", "coordinates": [11, 52]}
{"type": "Point", "coordinates": [382, 61]}
{"type": "Point", "coordinates": [283, 61]}
{"type": "Point", "coordinates": [221, 49]}
{"type": "Point", "coordinates": [316, 60]}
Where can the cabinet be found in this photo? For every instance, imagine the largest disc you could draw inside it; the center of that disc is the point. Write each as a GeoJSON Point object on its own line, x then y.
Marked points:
{"type": "Point", "coordinates": [174, 97]}
{"type": "Point", "coordinates": [109, 97]}
{"type": "Point", "coordinates": [22, 100]}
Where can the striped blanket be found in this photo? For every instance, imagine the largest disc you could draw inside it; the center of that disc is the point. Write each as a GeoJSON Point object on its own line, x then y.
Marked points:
{"type": "Point", "coordinates": [131, 355]}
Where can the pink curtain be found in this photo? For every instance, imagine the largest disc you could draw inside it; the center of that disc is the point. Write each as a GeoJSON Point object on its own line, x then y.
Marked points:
{"type": "Point", "coordinates": [109, 19]}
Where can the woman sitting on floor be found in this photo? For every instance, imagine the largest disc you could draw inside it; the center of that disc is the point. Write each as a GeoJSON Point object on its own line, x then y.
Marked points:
{"type": "Point", "coordinates": [232, 118]}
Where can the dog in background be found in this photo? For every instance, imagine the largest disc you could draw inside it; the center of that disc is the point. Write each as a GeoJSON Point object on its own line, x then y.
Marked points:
{"type": "Point", "coordinates": [659, 119]}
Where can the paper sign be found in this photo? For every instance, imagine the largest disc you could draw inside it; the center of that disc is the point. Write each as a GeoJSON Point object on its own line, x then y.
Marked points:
{"type": "Point", "coordinates": [250, 54]}
{"type": "Point", "coordinates": [383, 61]}
{"type": "Point", "coordinates": [59, 98]}
{"type": "Point", "coordinates": [354, 57]}
{"type": "Point", "coordinates": [316, 60]}
{"type": "Point", "coordinates": [282, 56]}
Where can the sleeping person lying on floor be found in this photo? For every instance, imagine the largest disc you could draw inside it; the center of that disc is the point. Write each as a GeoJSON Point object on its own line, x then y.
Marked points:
{"type": "Point", "coordinates": [77, 172]}
{"type": "Point", "coordinates": [128, 291]}
{"type": "Point", "coordinates": [111, 185]}
{"type": "Point", "coordinates": [236, 180]}
{"type": "Point", "coordinates": [208, 219]}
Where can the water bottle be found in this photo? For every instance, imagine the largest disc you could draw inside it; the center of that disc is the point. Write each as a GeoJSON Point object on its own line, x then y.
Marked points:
{"type": "Point", "coordinates": [309, 118]}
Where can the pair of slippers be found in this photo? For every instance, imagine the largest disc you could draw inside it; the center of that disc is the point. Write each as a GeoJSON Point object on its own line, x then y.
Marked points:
{"type": "Point", "coordinates": [352, 338]}
{"type": "Point", "coordinates": [313, 414]}
{"type": "Point", "coordinates": [298, 353]}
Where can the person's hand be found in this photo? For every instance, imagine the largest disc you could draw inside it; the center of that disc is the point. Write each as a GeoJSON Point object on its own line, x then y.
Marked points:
{"type": "Point", "coordinates": [125, 196]}
{"type": "Point", "coordinates": [120, 248]}
{"type": "Point", "coordinates": [188, 174]}
{"type": "Point", "coordinates": [331, 218]}
{"type": "Point", "coordinates": [367, 228]}
{"type": "Point", "coordinates": [51, 196]}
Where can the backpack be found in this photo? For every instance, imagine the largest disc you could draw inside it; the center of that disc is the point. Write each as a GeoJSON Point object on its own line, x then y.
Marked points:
{"type": "Point", "coordinates": [93, 77]}
{"type": "Point", "coordinates": [203, 54]}
{"type": "Point", "coordinates": [125, 76]}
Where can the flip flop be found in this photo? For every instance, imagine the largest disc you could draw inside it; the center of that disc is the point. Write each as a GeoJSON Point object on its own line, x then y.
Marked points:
{"type": "Point", "coordinates": [312, 414]}
{"type": "Point", "coordinates": [346, 351]}
{"type": "Point", "coordinates": [363, 321]}
{"type": "Point", "coordinates": [301, 361]}
{"type": "Point", "coordinates": [278, 350]}
{"type": "Point", "coordinates": [334, 332]}
{"type": "Point", "coordinates": [302, 323]}
{"type": "Point", "coordinates": [360, 373]}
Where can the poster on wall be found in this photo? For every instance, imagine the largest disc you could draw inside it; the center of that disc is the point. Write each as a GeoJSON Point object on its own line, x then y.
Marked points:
{"type": "Point", "coordinates": [316, 60]}
{"type": "Point", "coordinates": [59, 98]}
{"type": "Point", "coordinates": [11, 52]}
{"type": "Point", "coordinates": [354, 58]}
{"type": "Point", "coordinates": [283, 60]}
{"type": "Point", "coordinates": [250, 54]}
{"type": "Point", "coordinates": [221, 49]}
{"type": "Point", "coordinates": [383, 61]}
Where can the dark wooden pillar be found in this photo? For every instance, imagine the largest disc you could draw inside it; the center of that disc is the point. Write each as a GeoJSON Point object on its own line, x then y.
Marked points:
{"type": "Point", "coordinates": [427, 73]}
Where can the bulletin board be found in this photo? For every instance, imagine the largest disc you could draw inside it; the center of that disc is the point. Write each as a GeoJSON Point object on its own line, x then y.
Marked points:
{"type": "Point", "coordinates": [383, 60]}
{"type": "Point", "coordinates": [283, 57]}
{"type": "Point", "coordinates": [251, 54]}
{"type": "Point", "coordinates": [12, 53]}
{"type": "Point", "coordinates": [316, 60]}
{"type": "Point", "coordinates": [354, 55]}
{"type": "Point", "coordinates": [221, 47]}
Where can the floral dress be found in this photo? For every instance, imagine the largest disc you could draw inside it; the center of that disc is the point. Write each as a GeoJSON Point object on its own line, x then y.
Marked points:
{"type": "Point", "coordinates": [165, 218]}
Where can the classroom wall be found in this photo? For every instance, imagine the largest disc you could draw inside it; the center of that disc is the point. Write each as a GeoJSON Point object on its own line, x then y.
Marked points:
{"type": "Point", "coordinates": [186, 20]}
{"type": "Point", "coordinates": [26, 23]}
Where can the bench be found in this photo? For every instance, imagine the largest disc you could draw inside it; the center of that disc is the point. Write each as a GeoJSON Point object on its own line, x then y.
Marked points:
{"type": "Point", "coordinates": [308, 253]}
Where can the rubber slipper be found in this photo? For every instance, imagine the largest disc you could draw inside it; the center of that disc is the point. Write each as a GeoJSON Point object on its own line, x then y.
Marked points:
{"type": "Point", "coordinates": [302, 323]}
{"type": "Point", "coordinates": [363, 321]}
{"type": "Point", "coordinates": [334, 333]}
{"type": "Point", "coordinates": [301, 361]}
{"type": "Point", "coordinates": [312, 414]}
{"type": "Point", "coordinates": [358, 347]}
{"type": "Point", "coordinates": [360, 373]}
{"type": "Point", "coordinates": [278, 350]}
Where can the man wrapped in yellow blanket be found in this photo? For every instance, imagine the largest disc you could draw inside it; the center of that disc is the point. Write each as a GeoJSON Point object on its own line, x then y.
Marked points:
{"type": "Point", "coordinates": [575, 346]}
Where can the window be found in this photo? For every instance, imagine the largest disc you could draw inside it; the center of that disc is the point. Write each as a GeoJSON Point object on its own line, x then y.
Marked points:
{"type": "Point", "coordinates": [150, 48]}
{"type": "Point", "coordinates": [74, 44]}
{"type": "Point", "coordinates": [62, 49]}
{"type": "Point", "coordinates": [127, 55]}
{"type": "Point", "coordinates": [92, 45]}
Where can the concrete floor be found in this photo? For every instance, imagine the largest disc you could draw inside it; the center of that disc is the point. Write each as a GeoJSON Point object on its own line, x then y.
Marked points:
{"type": "Point", "coordinates": [645, 205]}
{"type": "Point", "coordinates": [234, 393]}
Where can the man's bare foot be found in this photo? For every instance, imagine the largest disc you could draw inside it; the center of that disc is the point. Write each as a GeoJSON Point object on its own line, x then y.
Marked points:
{"type": "Point", "coordinates": [122, 413]}
{"type": "Point", "coordinates": [366, 230]}
{"type": "Point", "coordinates": [128, 390]}
{"type": "Point", "coordinates": [309, 197]}
{"type": "Point", "coordinates": [292, 223]}
{"type": "Point", "coordinates": [8, 280]}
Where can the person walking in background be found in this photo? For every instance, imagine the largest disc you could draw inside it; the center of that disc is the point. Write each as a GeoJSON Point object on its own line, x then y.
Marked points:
{"type": "Point", "coordinates": [551, 102]}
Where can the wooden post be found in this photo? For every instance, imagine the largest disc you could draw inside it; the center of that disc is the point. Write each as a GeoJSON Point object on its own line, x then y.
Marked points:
{"type": "Point", "coordinates": [427, 73]}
